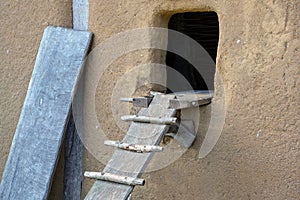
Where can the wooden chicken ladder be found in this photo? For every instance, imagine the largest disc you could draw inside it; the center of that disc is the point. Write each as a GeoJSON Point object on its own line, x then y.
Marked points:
{"type": "Point", "coordinates": [132, 164]}
{"type": "Point", "coordinates": [128, 164]}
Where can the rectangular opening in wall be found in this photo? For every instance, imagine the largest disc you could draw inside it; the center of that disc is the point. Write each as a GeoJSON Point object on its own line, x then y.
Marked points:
{"type": "Point", "coordinates": [202, 27]}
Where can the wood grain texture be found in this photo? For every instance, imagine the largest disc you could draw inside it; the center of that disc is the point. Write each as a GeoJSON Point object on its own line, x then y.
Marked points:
{"type": "Point", "coordinates": [183, 101]}
{"type": "Point", "coordinates": [80, 14]}
{"type": "Point", "coordinates": [186, 133]}
{"type": "Point", "coordinates": [73, 163]}
{"type": "Point", "coordinates": [73, 146]}
{"type": "Point", "coordinates": [139, 148]}
{"type": "Point", "coordinates": [133, 164]}
{"type": "Point", "coordinates": [115, 178]}
{"type": "Point", "coordinates": [38, 137]}
{"type": "Point", "coordinates": [152, 120]}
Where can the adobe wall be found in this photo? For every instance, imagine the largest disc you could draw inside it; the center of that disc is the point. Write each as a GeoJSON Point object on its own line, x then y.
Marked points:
{"type": "Point", "coordinates": [258, 60]}
{"type": "Point", "coordinates": [22, 27]}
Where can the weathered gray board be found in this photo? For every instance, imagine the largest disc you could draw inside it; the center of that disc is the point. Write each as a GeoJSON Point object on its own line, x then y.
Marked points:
{"type": "Point", "coordinates": [130, 163]}
{"type": "Point", "coordinates": [73, 146]}
{"type": "Point", "coordinates": [37, 140]}
{"type": "Point", "coordinates": [187, 100]}
{"type": "Point", "coordinates": [73, 162]}
{"type": "Point", "coordinates": [80, 14]}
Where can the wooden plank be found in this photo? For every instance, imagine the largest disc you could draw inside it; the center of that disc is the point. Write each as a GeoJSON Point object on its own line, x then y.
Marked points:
{"type": "Point", "coordinates": [138, 101]}
{"type": "Point", "coordinates": [186, 133]}
{"type": "Point", "coordinates": [132, 164]}
{"type": "Point", "coordinates": [183, 101]}
{"type": "Point", "coordinates": [38, 137]}
{"type": "Point", "coordinates": [80, 14]}
{"type": "Point", "coordinates": [73, 162]}
{"type": "Point", "coordinates": [73, 146]}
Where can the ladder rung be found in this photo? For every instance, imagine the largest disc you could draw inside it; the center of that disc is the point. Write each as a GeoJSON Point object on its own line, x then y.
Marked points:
{"type": "Point", "coordinates": [138, 101]}
{"type": "Point", "coordinates": [115, 178]}
{"type": "Point", "coordinates": [152, 120]}
{"type": "Point", "coordinates": [134, 147]}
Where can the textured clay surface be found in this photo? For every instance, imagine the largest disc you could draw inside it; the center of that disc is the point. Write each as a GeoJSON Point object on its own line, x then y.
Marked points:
{"type": "Point", "coordinates": [257, 155]}
{"type": "Point", "coordinates": [22, 27]}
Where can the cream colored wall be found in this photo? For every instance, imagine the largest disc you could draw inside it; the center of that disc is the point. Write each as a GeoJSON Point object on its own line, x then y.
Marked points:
{"type": "Point", "coordinates": [261, 80]}
{"type": "Point", "coordinates": [260, 75]}
{"type": "Point", "coordinates": [22, 26]}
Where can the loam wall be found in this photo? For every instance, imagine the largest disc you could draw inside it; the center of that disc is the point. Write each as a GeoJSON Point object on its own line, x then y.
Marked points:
{"type": "Point", "coordinates": [22, 26]}
{"type": "Point", "coordinates": [257, 155]}
{"type": "Point", "coordinates": [258, 60]}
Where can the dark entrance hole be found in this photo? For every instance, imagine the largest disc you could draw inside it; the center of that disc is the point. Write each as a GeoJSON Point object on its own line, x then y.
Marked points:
{"type": "Point", "coordinates": [203, 27]}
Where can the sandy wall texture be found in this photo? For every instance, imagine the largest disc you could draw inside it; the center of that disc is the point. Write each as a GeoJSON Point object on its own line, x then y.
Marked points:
{"type": "Point", "coordinates": [22, 27]}
{"type": "Point", "coordinates": [258, 59]}
{"type": "Point", "coordinates": [257, 155]}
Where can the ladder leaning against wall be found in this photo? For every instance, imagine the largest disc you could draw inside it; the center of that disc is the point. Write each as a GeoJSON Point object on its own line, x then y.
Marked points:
{"type": "Point", "coordinates": [46, 114]}
{"type": "Point", "coordinates": [133, 154]}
